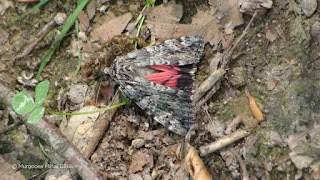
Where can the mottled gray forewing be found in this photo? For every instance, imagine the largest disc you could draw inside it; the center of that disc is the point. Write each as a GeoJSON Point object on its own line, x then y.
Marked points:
{"type": "Point", "coordinates": [172, 108]}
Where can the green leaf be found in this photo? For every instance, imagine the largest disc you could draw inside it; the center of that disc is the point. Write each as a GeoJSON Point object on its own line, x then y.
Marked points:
{"type": "Point", "coordinates": [150, 2]}
{"type": "Point", "coordinates": [41, 92]}
{"type": "Point", "coordinates": [23, 103]}
{"type": "Point", "coordinates": [36, 115]}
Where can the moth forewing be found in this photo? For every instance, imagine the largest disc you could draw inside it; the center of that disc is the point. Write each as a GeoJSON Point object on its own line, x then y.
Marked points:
{"type": "Point", "coordinates": [160, 80]}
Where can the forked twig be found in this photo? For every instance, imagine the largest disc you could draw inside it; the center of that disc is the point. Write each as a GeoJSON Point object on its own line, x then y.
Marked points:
{"type": "Point", "coordinates": [10, 127]}
{"type": "Point", "coordinates": [212, 81]}
{"type": "Point", "coordinates": [52, 135]}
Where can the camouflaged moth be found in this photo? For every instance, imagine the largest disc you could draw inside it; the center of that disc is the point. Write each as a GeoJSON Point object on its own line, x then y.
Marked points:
{"type": "Point", "coordinates": [160, 80]}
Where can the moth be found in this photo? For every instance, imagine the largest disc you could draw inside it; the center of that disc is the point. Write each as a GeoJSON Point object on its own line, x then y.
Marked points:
{"type": "Point", "coordinates": [160, 80]}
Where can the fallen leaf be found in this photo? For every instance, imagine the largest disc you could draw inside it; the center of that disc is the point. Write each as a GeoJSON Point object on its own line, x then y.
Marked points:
{"type": "Point", "coordinates": [195, 165]}
{"type": "Point", "coordinates": [250, 6]}
{"type": "Point", "coordinates": [10, 171]}
{"type": "Point", "coordinates": [302, 147]}
{"type": "Point", "coordinates": [256, 112]}
{"type": "Point", "coordinates": [78, 129]}
{"type": "Point", "coordinates": [167, 26]}
{"type": "Point", "coordinates": [77, 93]}
{"type": "Point", "coordinates": [139, 160]}
{"type": "Point", "coordinates": [84, 21]}
{"type": "Point", "coordinates": [231, 15]}
{"type": "Point", "coordinates": [205, 23]}
{"type": "Point", "coordinates": [91, 9]}
{"type": "Point", "coordinates": [173, 13]}
{"type": "Point", "coordinates": [300, 161]}
{"type": "Point", "coordinates": [110, 28]}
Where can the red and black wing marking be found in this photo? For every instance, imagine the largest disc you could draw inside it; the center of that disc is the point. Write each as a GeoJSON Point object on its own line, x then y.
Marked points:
{"type": "Point", "coordinates": [177, 77]}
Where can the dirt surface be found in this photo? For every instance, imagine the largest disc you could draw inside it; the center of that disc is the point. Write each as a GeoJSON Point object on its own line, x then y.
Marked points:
{"type": "Point", "coordinates": [270, 89]}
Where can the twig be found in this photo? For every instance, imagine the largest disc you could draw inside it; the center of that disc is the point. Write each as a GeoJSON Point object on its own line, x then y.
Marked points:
{"type": "Point", "coordinates": [216, 76]}
{"type": "Point", "coordinates": [231, 126]}
{"type": "Point", "coordinates": [10, 127]}
{"type": "Point", "coordinates": [52, 136]}
{"type": "Point", "coordinates": [228, 54]}
{"type": "Point", "coordinates": [58, 19]}
{"type": "Point", "coordinates": [207, 84]}
{"type": "Point", "coordinates": [245, 174]}
{"type": "Point", "coordinates": [100, 127]}
{"type": "Point", "coordinates": [208, 95]}
{"type": "Point", "coordinates": [223, 142]}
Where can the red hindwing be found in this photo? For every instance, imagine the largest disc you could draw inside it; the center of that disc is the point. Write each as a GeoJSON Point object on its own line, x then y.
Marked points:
{"type": "Point", "coordinates": [168, 75]}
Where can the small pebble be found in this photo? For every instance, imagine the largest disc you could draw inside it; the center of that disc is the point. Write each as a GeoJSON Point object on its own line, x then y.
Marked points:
{"type": "Point", "coordinates": [137, 143]}
{"type": "Point", "coordinates": [103, 9]}
{"type": "Point", "coordinates": [60, 18]}
{"type": "Point", "coordinates": [271, 85]}
{"type": "Point", "coordinates": [83, 37]}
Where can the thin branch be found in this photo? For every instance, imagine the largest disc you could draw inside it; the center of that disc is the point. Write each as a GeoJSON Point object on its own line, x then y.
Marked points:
{"type": "Point", "coordinates": [10, 127]}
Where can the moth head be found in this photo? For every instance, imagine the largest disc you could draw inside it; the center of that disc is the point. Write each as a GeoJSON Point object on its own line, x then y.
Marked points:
{"type": "Point", "coordinates": [108, 71]}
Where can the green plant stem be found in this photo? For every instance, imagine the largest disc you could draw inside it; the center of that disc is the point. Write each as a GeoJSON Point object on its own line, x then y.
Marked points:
{"type": "Point", "coordinates": [140, 24]}
{"type": "Point", "coordinates": [28, 12]}
{"type": "Point", "coordinates": [141, 20]}
{"type": "Point", "coordinates": [64, 30]}
{"type": "Point", "coordinates": [79, 50]}
{"type": "Point", "coordinates": [90, 112]}
{"type": "Point", "coordinates": [43, 151]}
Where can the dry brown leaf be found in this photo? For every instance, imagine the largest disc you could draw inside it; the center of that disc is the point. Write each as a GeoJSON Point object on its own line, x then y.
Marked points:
{"type": "Point", "coordinates": [195, 166]}
{"type": "Point", "coordinates": [84, 21]}
{"type": "Point", "coordinates": [10, 171]}
{"type": "Point", "coordinates": [163, 21]}
{"type": "Point", "coordinates": [111, 28]}
{"type": "Point", "coordinates": [256, 112]}
{"type": "Point", "coordinates": [79, 129]}
{"type": "Point", "coordinates": [209, 29]}
{"type": "Point", "coordinates": [139, 161]}
{"type": "Point", "coordinates": [91, 9]}
{"type": "Point", "coordinates": [201, 25]}
{"type": "Point", "coordinates": [231, 15]}
{"type": "Point", "coordinates": [170, 13]}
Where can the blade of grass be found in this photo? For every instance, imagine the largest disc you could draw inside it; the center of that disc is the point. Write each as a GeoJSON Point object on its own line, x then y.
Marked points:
{"type": "Point", "coordinates": [79, 51]}
{"type": "Point", "coordinates": [28, 12]}
{"type": "Point", "coordinates": [140, 25]}
{"type": "Point", "coordinates": [149, 3]}
{"type": "Point", "coordinates": [90, 112]}
{"type": "Point", "coordinates": [43, 151]}
{"type": "Point", "coordinates": [64, 30]}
